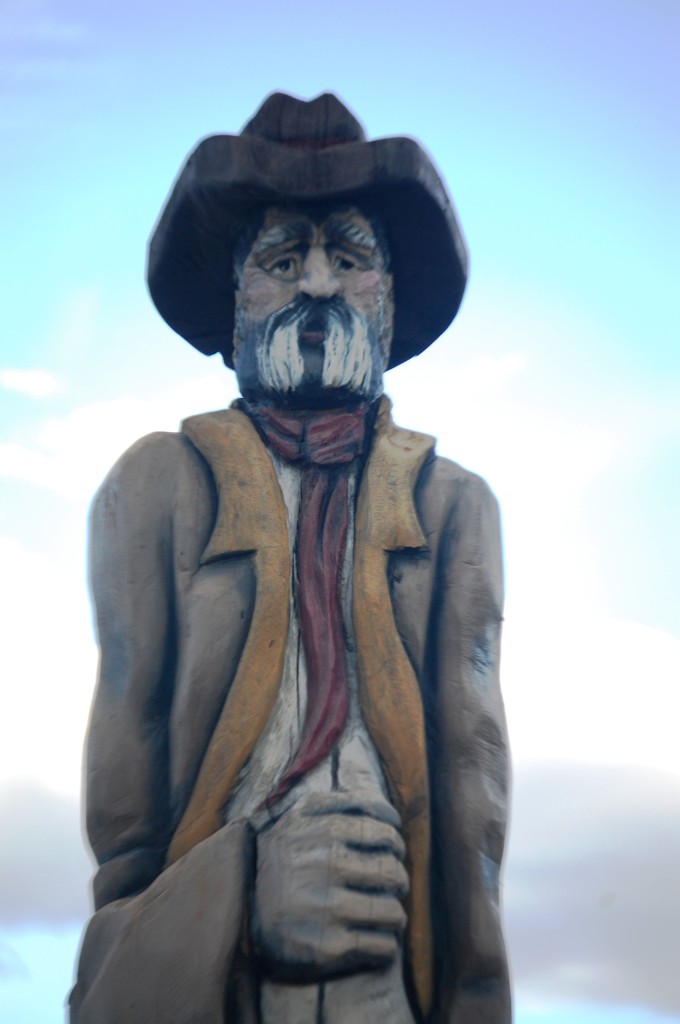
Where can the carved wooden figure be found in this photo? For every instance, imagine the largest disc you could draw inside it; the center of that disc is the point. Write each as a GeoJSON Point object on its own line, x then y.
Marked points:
{"type": "Point", "coordinates": [297, 760]}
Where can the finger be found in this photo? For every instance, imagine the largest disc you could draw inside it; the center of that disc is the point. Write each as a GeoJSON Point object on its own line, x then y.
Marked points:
{"type": "Point", "coordinates": [370, 835]}
{"type": "Point", "coordinates": [347, 948]}
{"type": "Point", "coordinates": [372, 873]}
{"type": "Point", "coordinates": [351, 804]}
{"type": "Point", "coordinates": [370, 911]}
{"type": "Point", "coordinates": [356, 833]}
{"type": "Point", "coordinates": [375, 949]}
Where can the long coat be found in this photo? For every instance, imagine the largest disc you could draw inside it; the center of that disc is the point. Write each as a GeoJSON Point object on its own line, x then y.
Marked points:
{"type": "Point", "coordinates": [190, 577]}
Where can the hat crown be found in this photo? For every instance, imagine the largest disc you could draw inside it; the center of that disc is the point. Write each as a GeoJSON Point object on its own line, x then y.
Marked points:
{"type": "Point", "coordinates": [308, 124]}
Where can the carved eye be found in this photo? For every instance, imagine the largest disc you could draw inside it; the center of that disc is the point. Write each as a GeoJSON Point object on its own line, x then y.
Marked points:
{"type": "Point", "coordinates": [343, 262]}
{"type": "Point", "coordinates": [285, 267]}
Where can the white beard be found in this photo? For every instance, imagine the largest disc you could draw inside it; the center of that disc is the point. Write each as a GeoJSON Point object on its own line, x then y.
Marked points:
{"type": "Point", "coordinates": [348, 363]}
{"type": "Point", "coordinates": [279, 361]}
{"type": "Point", "coordinates": [349, 358]}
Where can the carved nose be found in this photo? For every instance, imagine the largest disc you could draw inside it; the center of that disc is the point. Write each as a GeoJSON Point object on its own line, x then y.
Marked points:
{"type": "Point", "coordinates": [318, 280]}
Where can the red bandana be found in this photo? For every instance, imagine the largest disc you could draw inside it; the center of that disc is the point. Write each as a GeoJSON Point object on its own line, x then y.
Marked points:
{"type": "Point", "coordinates": [324, 444]}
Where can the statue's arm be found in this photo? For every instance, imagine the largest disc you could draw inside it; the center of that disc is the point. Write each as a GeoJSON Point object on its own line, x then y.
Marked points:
{"type": "Point", "coordinates": [159, 947]}
{"type": "Point", "coordinates": [470, 792]}
{"type": "Point", "coordinates": [132, 591]}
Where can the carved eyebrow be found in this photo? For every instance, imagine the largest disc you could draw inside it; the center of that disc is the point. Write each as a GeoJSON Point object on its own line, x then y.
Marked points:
{"type": "Point", "coordinates": [338, 229]}
{"type": "Point", "coordinates": [293, 231]}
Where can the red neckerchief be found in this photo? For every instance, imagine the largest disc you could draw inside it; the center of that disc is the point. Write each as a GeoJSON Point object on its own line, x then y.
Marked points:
{"type": "Point", "coordinates": [324, 444]}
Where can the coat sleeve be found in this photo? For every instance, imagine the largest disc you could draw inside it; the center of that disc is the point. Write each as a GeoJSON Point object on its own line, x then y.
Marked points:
{"type": "Point", "coordinates": [164, 956]}
{"type": "Point", "coordinates": [136, 964]}
{"type": "Point", "coordinates": [127, 755]}
{"type": "Point", "coordinates": [471, 763]}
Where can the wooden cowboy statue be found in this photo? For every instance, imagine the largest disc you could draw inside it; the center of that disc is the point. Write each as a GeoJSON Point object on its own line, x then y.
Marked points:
{"type": "Point", "coordinates": [297, 759]}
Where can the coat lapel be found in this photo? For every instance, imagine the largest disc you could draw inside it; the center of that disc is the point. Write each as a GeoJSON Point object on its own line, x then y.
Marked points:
{"type": "Point", "coordinates": [389, 691]}
{"type": "Point", "coordinates": [251, 517]}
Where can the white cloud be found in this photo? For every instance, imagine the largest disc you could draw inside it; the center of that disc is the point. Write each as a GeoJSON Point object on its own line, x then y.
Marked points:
{"type": "Point", "coordinates": [34, 382]}
{"type": "Point", "coordinates": [70, 455]}
{"type": "Point", "coordinates": [78, 323]}
{"type": "Point", "coordinates": [592, 887]}
{"type": "Point", "coordinates": [48, 666]}
{"type": "Point", "coordinates": [44, 870]}
{"type": "Point", "coordinates": [590, 689]}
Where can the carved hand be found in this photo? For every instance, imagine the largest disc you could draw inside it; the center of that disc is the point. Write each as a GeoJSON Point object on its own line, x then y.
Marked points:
{"type": "Point", "coordinates": [328, 887]}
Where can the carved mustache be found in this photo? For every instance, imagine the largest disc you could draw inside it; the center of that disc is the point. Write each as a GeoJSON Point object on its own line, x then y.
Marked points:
{"type": "Point", "coordinates": [313, 317]}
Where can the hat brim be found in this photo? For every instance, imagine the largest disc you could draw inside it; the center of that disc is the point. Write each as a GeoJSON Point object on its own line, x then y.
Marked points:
{"type": "Point", "coordinates": [227, 178]}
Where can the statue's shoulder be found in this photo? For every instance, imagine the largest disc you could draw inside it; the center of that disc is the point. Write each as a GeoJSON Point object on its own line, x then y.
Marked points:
{"type": "Point", "coordinates": [447, 469]}
{"type": "Point", "coordinates": [154, 476]}
{"type": "Point", "coordinates": [161, 457]}
{"type": "Point", "coordinates": [448, 483]}
{"type": "Point", "coordinates": [149, 458]}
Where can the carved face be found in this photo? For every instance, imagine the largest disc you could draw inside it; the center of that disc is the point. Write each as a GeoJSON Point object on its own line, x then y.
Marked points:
{"type": "Point", "coordinates": [313, 310]}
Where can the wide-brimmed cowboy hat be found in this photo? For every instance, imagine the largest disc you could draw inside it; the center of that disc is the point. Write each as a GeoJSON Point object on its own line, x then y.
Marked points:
{"type": "Point", "coordinates": [296, 153]}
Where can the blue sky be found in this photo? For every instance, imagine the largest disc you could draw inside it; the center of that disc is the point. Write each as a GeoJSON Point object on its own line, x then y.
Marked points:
{"type": "Point", "coordinates": [555, 126]}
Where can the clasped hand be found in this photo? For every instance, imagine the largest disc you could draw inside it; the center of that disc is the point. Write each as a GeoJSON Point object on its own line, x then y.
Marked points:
{"type": "Point", "coordinates": [328, 890]}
